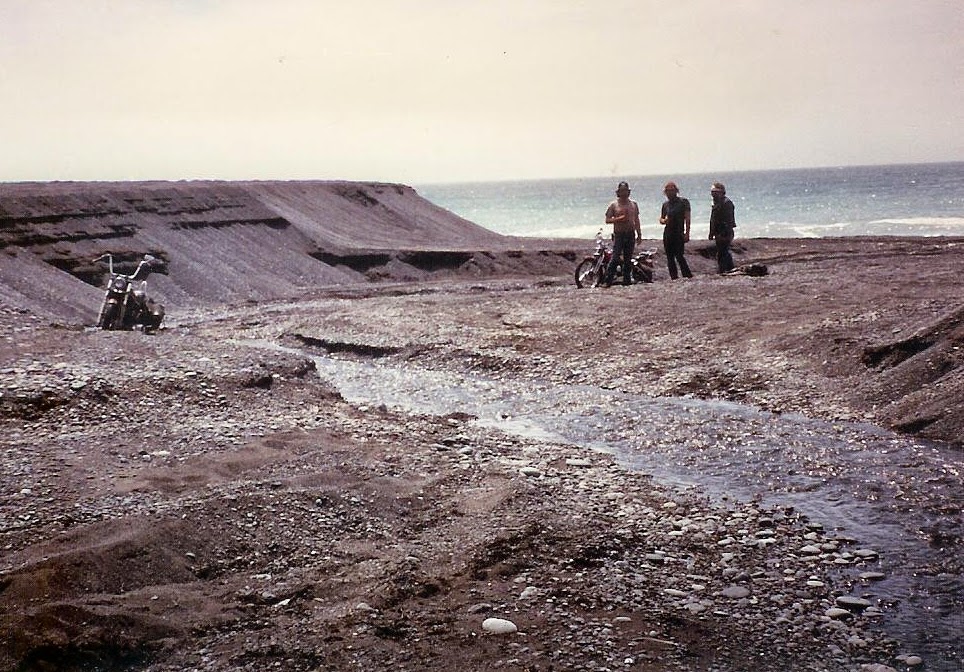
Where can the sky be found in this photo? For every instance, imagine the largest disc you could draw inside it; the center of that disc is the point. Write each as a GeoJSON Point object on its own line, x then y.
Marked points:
{"type": "Point", "coordinates": [429, 91]}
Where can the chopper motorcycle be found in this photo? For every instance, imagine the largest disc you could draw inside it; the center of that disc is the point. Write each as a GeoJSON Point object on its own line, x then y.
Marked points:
{"type": "Point", "coordinates": [126, 304]}
{"type": "Point", "coordinates": [591, 271]}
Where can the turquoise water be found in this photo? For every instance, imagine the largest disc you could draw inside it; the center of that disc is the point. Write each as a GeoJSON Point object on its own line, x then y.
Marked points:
{"type": "Point", "coordinates": [894, 200]}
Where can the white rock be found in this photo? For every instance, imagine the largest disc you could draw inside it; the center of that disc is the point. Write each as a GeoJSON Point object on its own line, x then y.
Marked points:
{"type": "Point", "coordinates": [499, 626]}
{"type": "Point", "coordinates": [529, 592]}
{"type": "Point", "coordinates": [530, 471]}
{"type": "Point", "coordinates": [836, 613]}
{"type": "Point", "coordinates": [578, 462]}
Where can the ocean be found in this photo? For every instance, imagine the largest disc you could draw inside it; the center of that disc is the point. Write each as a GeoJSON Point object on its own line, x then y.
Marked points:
{"type": "Point", "coordinates": [890, 200]}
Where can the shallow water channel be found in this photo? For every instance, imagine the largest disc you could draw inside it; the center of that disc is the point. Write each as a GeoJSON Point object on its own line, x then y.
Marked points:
{"type": "Point", "coordinates": [899, 496]}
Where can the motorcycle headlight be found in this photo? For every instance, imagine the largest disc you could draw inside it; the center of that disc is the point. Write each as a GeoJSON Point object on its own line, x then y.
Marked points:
{"type": "Point", "coordinates": [119, 284]}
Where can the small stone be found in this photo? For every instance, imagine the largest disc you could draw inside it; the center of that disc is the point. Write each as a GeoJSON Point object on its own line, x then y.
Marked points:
{"type": "Point", "coordinates": [837, 614]}
{"type": "Point", "coordinates": [578, 462]}
{"type": "Point", "coordinates": [852, 603]}
{"type": "Point", "coordinates": [531, 472]}
{"type": "Point", "coordinates": [499, 626]}
{"type": "Point", "coordinates": [529, 592]}
{"type": "Point", "coordinates": [736, 592]}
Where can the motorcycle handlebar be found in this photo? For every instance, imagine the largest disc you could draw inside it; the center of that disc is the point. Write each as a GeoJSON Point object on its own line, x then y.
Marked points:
{"type": "Point", "coordinates": [148, 261]}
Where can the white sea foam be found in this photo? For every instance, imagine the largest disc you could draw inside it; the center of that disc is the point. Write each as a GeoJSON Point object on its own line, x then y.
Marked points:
{"type": "Point", "coordinates": [925, 222]}
{"type": "Point", "coordinates": [811, 230]}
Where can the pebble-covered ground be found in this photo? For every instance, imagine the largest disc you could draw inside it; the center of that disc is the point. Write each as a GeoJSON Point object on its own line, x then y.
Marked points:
{"type": "Point", "coordinates": [195, 500]}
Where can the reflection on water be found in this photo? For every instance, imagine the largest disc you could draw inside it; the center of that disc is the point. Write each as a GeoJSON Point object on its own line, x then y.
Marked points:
{"type": "Point", "coordinates": [900, 496]}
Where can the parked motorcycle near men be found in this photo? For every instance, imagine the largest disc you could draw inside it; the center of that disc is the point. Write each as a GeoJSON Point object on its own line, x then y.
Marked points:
{"type": "Point", "coordinates": [126, 304]}
{"type": "Point", "coordinates": [591, 271]}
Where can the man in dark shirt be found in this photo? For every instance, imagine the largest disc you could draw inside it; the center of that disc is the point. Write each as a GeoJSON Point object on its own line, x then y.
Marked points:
{"type": "Point", "coordinates": [675, 218]}
{"type": "Point", "coordinates": [722, 223]}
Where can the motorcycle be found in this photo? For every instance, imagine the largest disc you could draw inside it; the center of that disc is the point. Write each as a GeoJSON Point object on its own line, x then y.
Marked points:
{"type": "Point", "coordinates": [126, 304]}
{"type": "Point", "coordinates": [591, 271]}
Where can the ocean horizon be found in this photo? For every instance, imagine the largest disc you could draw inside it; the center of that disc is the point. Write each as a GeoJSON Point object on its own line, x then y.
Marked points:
{"type": "Point", "coordinates": [925, 199]}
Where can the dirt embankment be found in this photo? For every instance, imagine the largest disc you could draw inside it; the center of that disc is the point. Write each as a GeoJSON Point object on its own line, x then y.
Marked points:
{"type": "Point", "coordinates": [225, 242]}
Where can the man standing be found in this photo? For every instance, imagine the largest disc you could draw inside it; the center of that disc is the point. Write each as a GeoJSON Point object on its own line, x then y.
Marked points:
{"type": "Point", "coordinates": [623, 214]}
{"type": "Point", "coordinates": [675, 218]}
{"type": "Point", "coordinates": [722, 223]}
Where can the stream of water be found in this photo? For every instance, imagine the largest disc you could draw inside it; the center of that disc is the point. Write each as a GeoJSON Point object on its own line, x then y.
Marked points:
{"type": "Point", "coordinates": [900, 496]}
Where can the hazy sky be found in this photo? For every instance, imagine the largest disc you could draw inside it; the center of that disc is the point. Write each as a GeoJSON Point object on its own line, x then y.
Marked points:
{"type": "Point", "coordinates": [420, 91]}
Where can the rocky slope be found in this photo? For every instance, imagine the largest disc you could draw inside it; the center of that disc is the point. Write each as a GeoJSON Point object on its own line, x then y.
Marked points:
{"type": "Point", "coordinates": [223, 242]}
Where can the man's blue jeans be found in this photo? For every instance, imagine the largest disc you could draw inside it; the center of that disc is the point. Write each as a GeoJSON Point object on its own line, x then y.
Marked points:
{"type": "Point", "coordinates": [623, 245]}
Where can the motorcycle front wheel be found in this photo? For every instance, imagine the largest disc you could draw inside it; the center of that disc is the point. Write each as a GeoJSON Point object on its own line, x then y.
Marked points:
{"type": "Point", "coordinates": [109, 316]}
{"type": "Point", "coordinates": [587, 275]}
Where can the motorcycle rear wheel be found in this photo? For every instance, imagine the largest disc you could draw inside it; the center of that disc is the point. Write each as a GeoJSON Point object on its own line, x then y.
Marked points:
{"type": "Point", "coordinates": [642, 274]}
{"type": "Point", "coordinates": [587, 275]}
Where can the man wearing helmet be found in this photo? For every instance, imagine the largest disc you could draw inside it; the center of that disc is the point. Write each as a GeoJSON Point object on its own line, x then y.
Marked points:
{"type": "Point", "coordinates": [722, 223]}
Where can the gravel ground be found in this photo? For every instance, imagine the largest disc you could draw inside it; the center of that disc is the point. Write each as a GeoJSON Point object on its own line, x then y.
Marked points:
{"type": "Point", "coordinates": [189, 501]}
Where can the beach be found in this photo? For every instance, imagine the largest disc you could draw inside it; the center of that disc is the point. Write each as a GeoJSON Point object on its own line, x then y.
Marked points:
{"type": "Point", "coordinates": [212, 497]}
